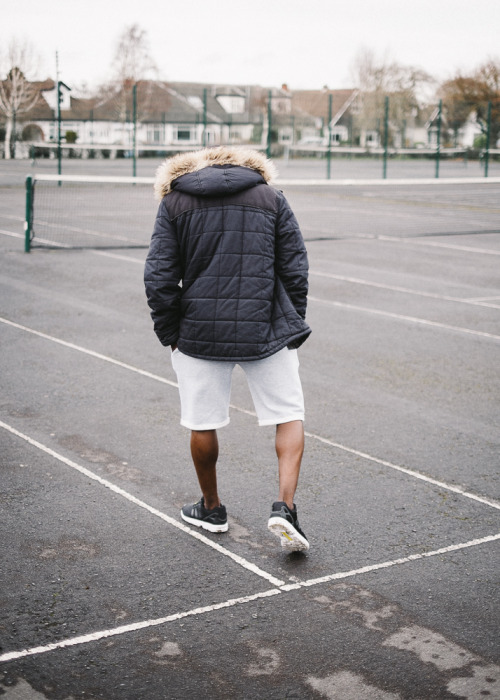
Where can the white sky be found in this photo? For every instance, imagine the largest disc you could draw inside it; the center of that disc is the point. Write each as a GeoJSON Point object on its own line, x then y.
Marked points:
{"type": "Point", "coordinates": [304, 43]}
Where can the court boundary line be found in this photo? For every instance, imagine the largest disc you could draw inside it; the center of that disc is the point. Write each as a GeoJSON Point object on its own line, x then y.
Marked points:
{"type": "Point", "coordinates": [410, 472]}
{"type": "Point", "coordinates": [288, 182]}
{"type": "Point", "coordinates": [481, 301]}
{"type": "Point", "coordinates": [402, 317]}
{"type": "Point", "coordinates": [439, 244]}
{"type": "Point", "coordinates": [249, 566]}
{"type": "Point", "coordinates": [146, 624]}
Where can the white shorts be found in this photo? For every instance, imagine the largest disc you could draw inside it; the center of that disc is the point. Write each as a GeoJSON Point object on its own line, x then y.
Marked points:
{"type": "Point", "coordinates": [205, 389]}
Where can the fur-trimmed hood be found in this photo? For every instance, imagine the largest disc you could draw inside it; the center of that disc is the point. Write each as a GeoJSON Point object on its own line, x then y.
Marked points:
{"type": "Point", "coordinates": [192, 162]}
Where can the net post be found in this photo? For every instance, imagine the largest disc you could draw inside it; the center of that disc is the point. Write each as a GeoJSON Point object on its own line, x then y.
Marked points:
{"type": "Point", "coordinates": [28, 221]}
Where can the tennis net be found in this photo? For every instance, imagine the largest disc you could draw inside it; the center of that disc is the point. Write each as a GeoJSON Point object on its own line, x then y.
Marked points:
{"type": "Point", "coordinates": [73, 211]}
{"type": "Point", "coordinates": [118, 212]}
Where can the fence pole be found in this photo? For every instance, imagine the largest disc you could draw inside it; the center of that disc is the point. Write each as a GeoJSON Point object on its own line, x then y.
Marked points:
{"type": "Point", "coordinates": [438, 136]}
{"type": "Point", "coordinates": [386, 134]}
{"type": "Point", "coordinates": [269, 122]}
{"type": "Point", "coordinates": [28, 221]}
{"type": "Point", "coordinates": [329, 151]}
{"type": "Point", "coordinates": [488, 133]}
{"type": "Point", "coordinates": [59, 154]}
{"type": "Point", "coordinates": [204, 117]}
{"type": "Point", "coordinates": [134, 132]}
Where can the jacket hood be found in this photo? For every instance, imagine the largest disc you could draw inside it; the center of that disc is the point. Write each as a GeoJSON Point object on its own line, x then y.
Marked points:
{"type": "Point", "coordinates": [253, 168]}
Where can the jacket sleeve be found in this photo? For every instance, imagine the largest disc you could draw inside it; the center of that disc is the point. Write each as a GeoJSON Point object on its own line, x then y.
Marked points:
{"type": "Point", "coordinates": [162, 275]}
{"type": "Point", "coordinates": [291, 261]}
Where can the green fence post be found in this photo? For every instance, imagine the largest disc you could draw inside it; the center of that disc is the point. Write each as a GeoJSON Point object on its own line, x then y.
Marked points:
{"type": "Point", "coordinates": [28, 221]}
{"type": "Point", "coordinates": [488, 133]}
{"type": "Point", "coordinates": [329, 151]}
{"type": "Point", "coordinates": [134, 132]}
{"type": "Point", "coordinates": [269, 123]}
{"type": "Point", "coordinates": [386, 134]}
{"type": "Point", "coordinates": [438, 137]}
{"type": "Point", "coordinates": [59, 151]}
{"type": "Point", "coordinates": [204, 117]}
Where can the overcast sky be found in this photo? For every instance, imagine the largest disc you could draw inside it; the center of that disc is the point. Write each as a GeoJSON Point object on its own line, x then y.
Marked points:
{"type": "Point", "coordinates": [304, 43]}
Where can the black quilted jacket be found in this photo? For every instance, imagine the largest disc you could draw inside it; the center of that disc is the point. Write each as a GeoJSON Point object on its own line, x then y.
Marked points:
{"type": "Point", "coordinates": [226, 272]}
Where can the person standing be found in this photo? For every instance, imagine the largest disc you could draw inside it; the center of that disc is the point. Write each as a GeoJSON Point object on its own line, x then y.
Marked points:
{"type": "Point", "coordinates": [226, 279]}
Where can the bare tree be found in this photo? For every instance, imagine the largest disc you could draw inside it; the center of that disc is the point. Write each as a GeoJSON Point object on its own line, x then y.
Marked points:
{"type": "Point", "coordinates": [132, 63]}
{"type": "Point", "coordinates": [378, 78]}
{"type": "Point", "coordinates": [17, 94]}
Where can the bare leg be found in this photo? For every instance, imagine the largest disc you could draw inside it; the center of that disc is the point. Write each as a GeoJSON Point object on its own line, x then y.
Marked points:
{"type": "Point", "coordinates": [289, 449]}
{"type": "Point", "coordinates": [205, 452]}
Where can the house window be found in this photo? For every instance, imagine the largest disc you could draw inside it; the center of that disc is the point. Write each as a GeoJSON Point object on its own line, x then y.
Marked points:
{"type": "Point", "coordinates": [155, 133]}
{"type": "Point", "coordinates": [184, 133]}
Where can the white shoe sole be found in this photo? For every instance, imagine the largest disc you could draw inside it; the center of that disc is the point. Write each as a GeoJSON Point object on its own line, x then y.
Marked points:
{"type": "Point", "coordinates": [291, 540]}
{"type": "Point", "coordinates": [206, 526]}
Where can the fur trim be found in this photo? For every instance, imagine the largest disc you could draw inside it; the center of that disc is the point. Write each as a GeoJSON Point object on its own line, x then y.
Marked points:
{"type": "Point", "coordinates": [190, 162]}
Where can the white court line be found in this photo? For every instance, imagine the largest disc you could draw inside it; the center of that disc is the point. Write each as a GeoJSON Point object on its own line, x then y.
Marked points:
{"type": "Point", "coordinates": [399, 181]}
{"type": "Point", "coordinates": [402, 317]}
{"type": "Point", "coordinates": [437, 244]}
{"type": "Point", "coordinates": [117, 256]}
{"type": "Point", "coordinates": [154, 511]}
{"type": "Point", "coordinates": [387, 564]}
{"type": "Point", "coordinates": [145, 624]}
{"type": "Point", "coordinates": [417, 475]}
{"type": "Point", "coordinates": [11, 233]}
{"type": "Point", "coordinates": [410, 472]}
{"type": "Point", "coordinates": [92, 353]}
{"type": "Point", "coordinates": [406, 290]}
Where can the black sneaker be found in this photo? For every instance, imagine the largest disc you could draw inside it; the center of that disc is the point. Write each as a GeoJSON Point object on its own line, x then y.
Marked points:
{"type": "Point", "coordinates": [284, 524]}
{"type": "Point", "coordinates": [214, 520]}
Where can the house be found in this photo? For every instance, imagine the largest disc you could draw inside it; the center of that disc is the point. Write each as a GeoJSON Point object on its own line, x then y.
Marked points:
{"type": "Point", "coordinates": [316, 104]}
{"type": "Point", "coordinates": [168, 115]}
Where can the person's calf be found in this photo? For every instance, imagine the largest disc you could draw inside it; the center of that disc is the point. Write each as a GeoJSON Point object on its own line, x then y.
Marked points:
{"type": "Point", "coordinates": [289, 450]}
{"type": "Point", "coordinates": [205, 452]}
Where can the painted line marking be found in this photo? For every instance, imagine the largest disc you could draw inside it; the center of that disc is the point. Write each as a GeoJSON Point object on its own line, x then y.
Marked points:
{"type": "Point", "coordinates": [479, 299]}
{"type": "Point", "coordinates": [395, 562]}
{"type": "Point", "coordinates": [154, 511]}
{"type": "Point", "coordinates": [364, 455]}
{"type": "Point", "coordinates": [11, 233]}
{"type": "Point", "coordinates": [133, 627]}
{"type": "Point", "coordinates": [437, 244]}
{"type": "Point", "coordinates": [102, 634]}
{"type": "Point", "coordinates": [92, 353]}
{"type": "Point", "coordinates": [411, 472]}
{"type": "Point", "coordinates": [117, 256]}
{"type": "Point", "coordinates": [405, 290]}
{"type": "Point", "coordinates": [402, 317]}
{"type": "Point", "coordinates": [395, 182]}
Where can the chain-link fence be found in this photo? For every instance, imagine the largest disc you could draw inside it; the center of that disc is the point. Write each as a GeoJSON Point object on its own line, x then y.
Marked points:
{"type": "Point", "coordinates": [336, 129]}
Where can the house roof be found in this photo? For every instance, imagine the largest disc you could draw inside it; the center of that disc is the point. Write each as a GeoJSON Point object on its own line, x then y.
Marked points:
{"type": "Point", "coordinates": [315, 102]}
{"type": "Point", "coordinates": [183, 102]}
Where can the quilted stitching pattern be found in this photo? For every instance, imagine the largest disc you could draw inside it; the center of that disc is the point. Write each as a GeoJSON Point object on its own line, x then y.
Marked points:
{"type": "Point", "coordinates": [242, 263]}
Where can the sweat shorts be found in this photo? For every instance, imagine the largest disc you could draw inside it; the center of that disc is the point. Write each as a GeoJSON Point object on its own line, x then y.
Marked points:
{"type": "Point", "coordinates": [205, 389]}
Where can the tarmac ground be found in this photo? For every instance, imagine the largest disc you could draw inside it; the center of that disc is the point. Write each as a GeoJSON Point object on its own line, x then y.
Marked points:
{"type": "Point", "coordinates": [107, 594]}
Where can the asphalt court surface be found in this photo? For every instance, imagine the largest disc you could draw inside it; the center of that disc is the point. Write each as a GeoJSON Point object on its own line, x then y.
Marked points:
{"type": "Point", "coordinates": [107, 594]}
